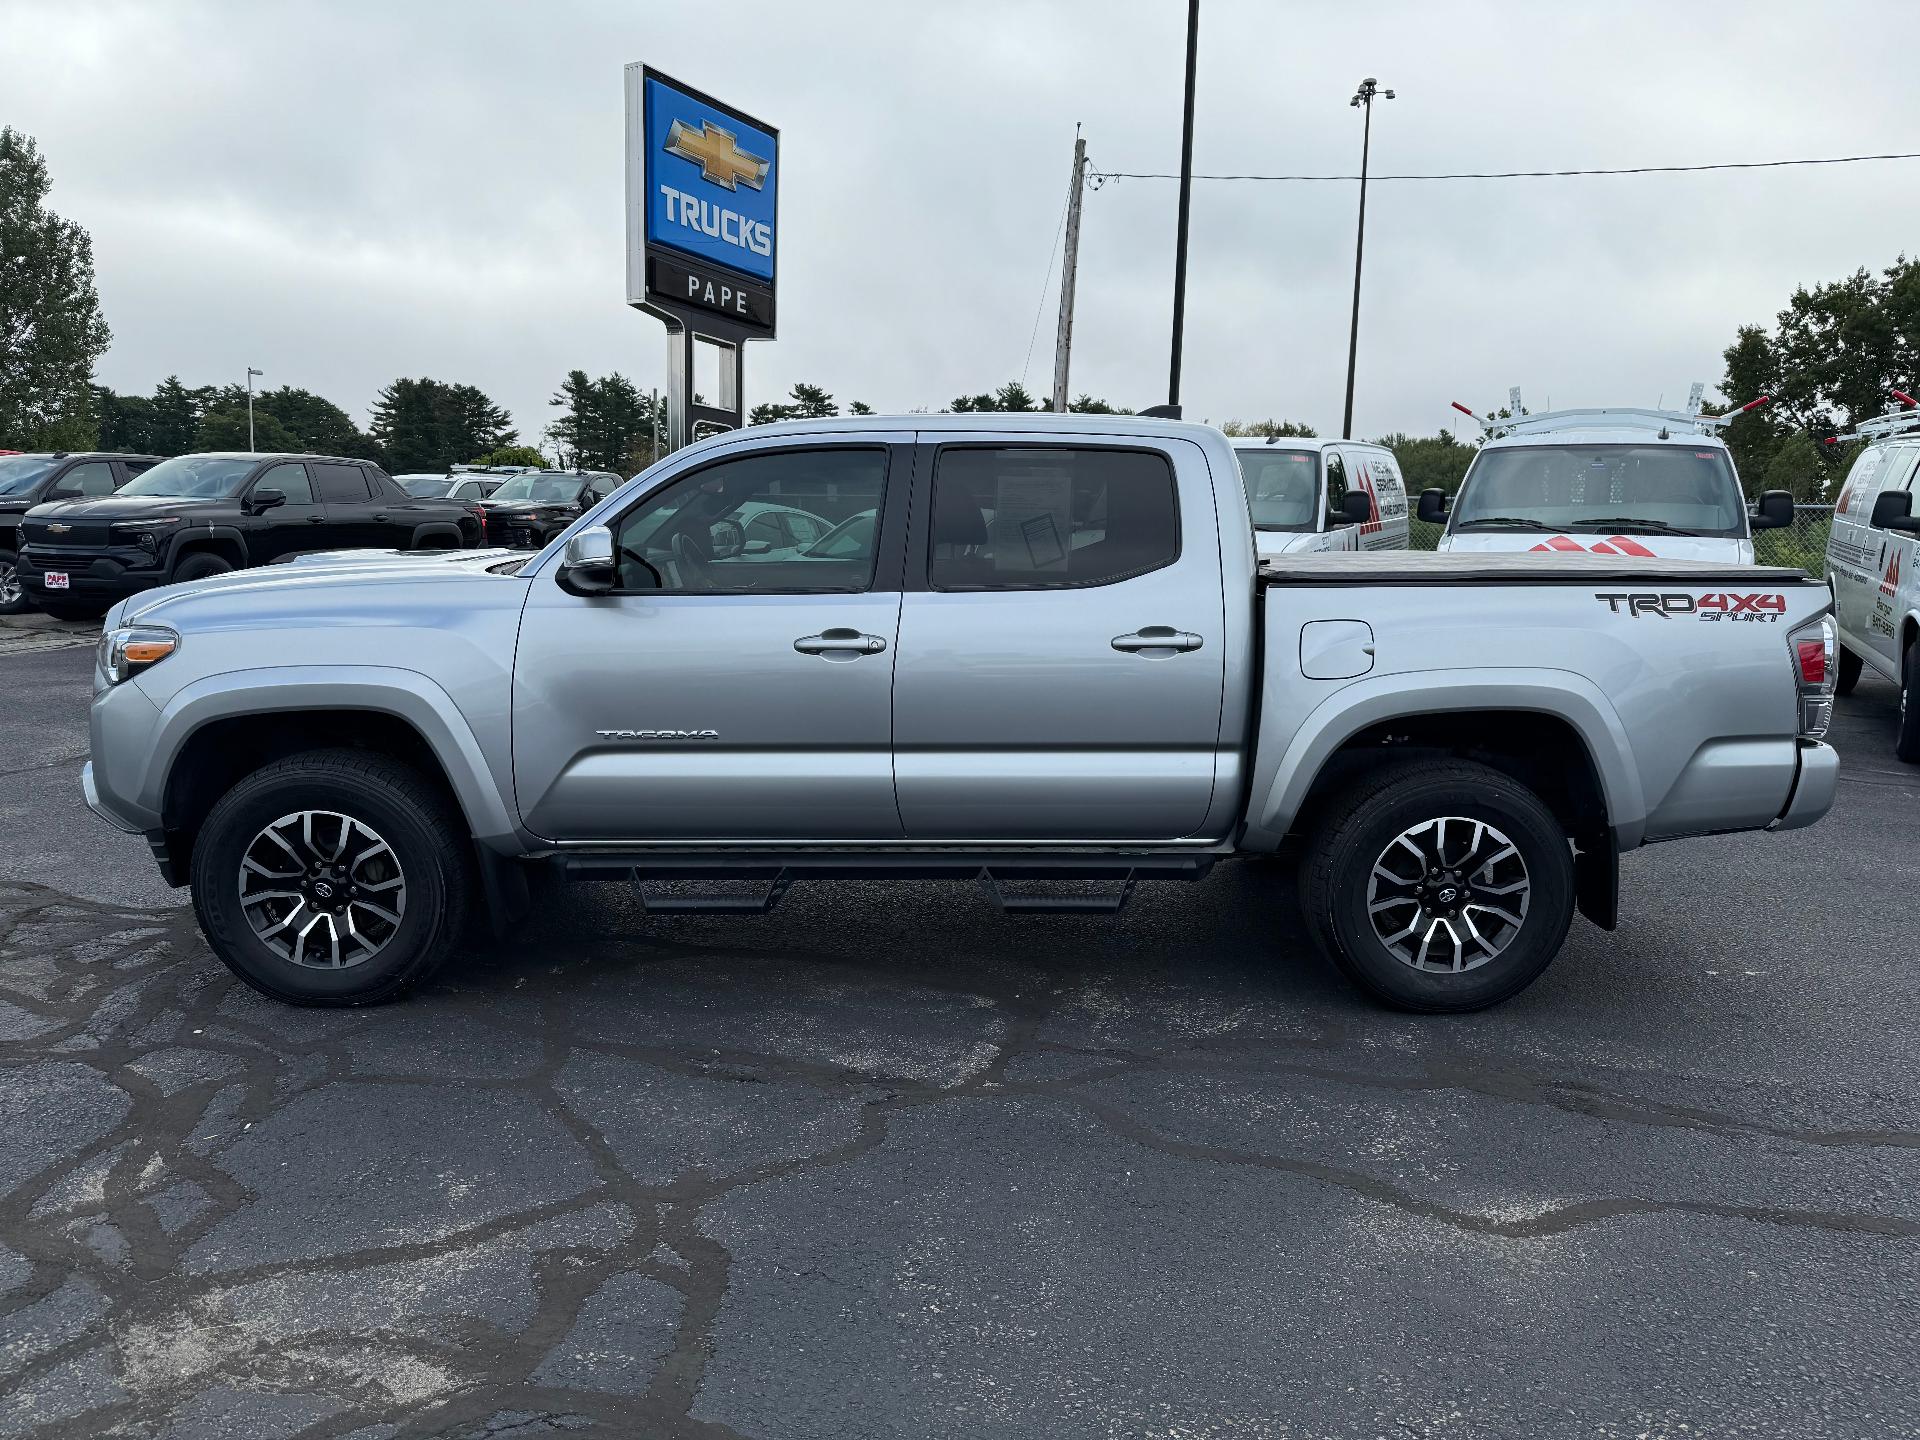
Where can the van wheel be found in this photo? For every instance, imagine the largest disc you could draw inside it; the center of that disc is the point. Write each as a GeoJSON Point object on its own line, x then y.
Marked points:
{"type": "Point", "coordinates": [333, 877]}
{"type": "Point", "coordinates": [199, 567]}
{"type": "Point", "coordinates": [1906, 745]}
{"type": "Point", "coordinates": [1849, 675]}
{"type": "Point", "coordinates": [1439, 886]}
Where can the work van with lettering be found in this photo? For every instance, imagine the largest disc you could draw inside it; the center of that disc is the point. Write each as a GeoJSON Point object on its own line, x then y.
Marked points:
{"type": "Point", "coordinates": [1310, 496]}
{"type": "Point", "coordinates": [1871, 565]}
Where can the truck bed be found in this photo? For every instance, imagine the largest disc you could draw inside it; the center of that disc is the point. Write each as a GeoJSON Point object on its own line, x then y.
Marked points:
{"type": "Point", "coordinates": [1526, 567]}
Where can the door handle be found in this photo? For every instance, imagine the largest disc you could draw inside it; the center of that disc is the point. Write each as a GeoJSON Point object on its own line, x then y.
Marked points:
{"type": "Point", "coordinates": [840, 641]}
{"type": "Point", "coordinates": [381, 517]}
{"type": "Point", "coordinates": [1157, 637]}
{"type": "Point", "coordinates": [316, 519]}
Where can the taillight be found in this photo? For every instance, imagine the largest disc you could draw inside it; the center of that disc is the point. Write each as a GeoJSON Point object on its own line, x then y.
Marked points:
{"type": "Point", "coordinates": [1812, 648]}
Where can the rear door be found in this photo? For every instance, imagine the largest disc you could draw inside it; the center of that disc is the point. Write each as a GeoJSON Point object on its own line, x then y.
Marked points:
{"type": "Point", "coordinates": [350, 507]}
{"type": "Point", "coordinates": [1380, 476]}
{"type": "Point", "coordinates": [1061, 655]}
{"type": "Point", "coordinates": [1854, 550]}
{"type": "Point", "coordinates": [1894, 560]}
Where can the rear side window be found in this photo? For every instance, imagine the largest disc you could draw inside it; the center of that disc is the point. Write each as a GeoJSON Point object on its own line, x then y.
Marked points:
{"type": "Point", "coordinates": [1031, 518]}
{"type": "Point", "coordinates": [341, 484]}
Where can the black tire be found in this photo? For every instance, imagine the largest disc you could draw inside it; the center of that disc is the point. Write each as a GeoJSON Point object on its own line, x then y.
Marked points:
{"type": "Point", "coordinates": [424, 831]}
{"type": "Point", "coordinates": [13, 598]}
{"type": "Point", "coordinates": [199, 567]}
{"type": "Point", "coordinates": [1906, 744]}
{"type": "Point", "coordinates": [1355, 834]}
{"type": "Point", "coordinates": [1849, 672]}
{"type": "Point", "coordinates": [66, 610]}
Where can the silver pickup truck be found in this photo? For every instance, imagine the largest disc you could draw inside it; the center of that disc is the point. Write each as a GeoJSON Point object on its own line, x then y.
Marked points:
{"type": "Point", "coordinates": [1012, 649]}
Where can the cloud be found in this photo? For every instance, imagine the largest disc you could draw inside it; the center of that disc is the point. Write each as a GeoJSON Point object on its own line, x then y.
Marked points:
{"type": "Point", "coordinates": [342, 193]}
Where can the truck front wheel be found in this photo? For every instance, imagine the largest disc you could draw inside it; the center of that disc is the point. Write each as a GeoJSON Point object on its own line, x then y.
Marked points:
{"type": "Point", "coordinates": [1439, 886]}
{"type": "Point", "coordinates": [333, 877]}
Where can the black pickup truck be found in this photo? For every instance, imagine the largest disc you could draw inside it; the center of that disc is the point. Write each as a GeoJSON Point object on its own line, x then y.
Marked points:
{"type": "Point", "coordinates": [30, 479]}
{"type": "Point", "coordinates": [198, 515]}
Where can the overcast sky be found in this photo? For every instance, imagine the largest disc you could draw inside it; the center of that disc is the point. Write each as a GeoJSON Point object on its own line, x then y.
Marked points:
{"type": "Point", "coordinates": [341, 193]}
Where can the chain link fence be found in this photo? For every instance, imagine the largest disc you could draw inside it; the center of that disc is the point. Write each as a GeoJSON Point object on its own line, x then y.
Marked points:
{"type": "Point", "coordinates": [1803, 545]}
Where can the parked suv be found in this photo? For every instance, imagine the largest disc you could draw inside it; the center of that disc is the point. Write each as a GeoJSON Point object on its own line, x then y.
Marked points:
{"type": "Point", "coordinates": [26, 480]}
{"type": "Point", "coordinates": [198, 515]}
{"type": "Point", "coordinates": [530, 508]}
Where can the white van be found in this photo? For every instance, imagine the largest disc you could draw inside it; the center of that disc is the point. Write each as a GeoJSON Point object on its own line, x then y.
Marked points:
{"type": "Point", "coordinates": [1611, 482]}
{"type": "Point", "coordinates": [1314, 495]}
{"type": "Point", "coordinates": [1873, 565]}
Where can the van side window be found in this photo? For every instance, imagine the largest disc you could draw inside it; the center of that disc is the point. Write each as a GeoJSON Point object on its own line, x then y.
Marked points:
{"type": "Point", "coordinates": [1041, 517]}
{"type": "Point", "coordinates": [1336, 482]}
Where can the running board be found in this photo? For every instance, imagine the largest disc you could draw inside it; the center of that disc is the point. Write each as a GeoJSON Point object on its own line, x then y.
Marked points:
{"type": "Point", "coordinates": [1055, 904]}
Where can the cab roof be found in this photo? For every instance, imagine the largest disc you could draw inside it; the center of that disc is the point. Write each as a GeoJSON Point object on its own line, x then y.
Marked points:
{"type": "Point", "coordinates": [1642, 434]}
{"type": "Point", "coordinates": [1297, 442]}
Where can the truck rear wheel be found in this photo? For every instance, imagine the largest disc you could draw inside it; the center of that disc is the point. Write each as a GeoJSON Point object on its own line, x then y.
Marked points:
{"type": "Point", "coordinates": [333, 877]}
{"type": "Point", "coordinates": [1439, 886]}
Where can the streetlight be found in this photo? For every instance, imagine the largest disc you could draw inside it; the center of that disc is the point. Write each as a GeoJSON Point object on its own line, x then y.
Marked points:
{"type": "Point", "coordinates": [1363, 100]}
{"type": "Point", "coordinates": [250, 373]}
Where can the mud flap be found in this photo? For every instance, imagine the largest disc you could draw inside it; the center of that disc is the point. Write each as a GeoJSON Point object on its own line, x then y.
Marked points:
{"type": "Point", "coordinates": [1596, 879]}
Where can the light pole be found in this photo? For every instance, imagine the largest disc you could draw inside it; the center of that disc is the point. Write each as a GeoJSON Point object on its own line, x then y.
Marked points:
{"type": "Point", "coordinates": [1186, 196]}
{"type": "Point", "coordinates": [251, 372]}
{"type": "Point", "coordinates": [1363, 99]}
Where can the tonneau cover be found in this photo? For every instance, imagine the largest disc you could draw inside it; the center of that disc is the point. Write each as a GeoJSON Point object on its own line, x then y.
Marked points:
{"type": "Point", "coordinates": [1525, 567]}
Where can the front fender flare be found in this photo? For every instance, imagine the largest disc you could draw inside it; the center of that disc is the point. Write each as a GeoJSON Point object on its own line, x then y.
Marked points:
{"type": "Point", "coordinates": [1287, 765]}
{"type": "Point", "coordinates": [404, 694]}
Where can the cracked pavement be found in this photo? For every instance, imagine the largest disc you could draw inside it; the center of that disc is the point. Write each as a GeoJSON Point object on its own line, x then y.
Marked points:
{"type": "Point", "coordinates": [885, 1163]}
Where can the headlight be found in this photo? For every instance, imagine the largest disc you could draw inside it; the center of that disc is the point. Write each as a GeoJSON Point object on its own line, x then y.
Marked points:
{"type": "Point", "coordinates": [128, 650]}
{"type": "Point", "coordinates": [144, 532]}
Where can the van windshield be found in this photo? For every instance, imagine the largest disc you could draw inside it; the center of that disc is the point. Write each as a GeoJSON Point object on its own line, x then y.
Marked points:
{"type": "Point", "coordinates": [1283, 487]}
{"type": "Point", "coordinates": [1602, 489]}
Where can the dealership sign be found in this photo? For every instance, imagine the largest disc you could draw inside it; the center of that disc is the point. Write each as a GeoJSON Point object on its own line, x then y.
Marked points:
{"type": "Point", "coordinates": [703, 202]}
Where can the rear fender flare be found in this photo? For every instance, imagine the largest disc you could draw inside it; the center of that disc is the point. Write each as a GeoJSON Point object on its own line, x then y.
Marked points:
{"type": "Point", "coordinates": [1290, 764]}
{"type": "Point", "coordinates": [436, 530]}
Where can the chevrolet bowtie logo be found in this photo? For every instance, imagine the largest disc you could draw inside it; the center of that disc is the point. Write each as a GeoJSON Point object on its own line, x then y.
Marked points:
{"type": "Point", "coordinates": [58, 529]}
{"type": "Point", "coordinates": [717, 153]}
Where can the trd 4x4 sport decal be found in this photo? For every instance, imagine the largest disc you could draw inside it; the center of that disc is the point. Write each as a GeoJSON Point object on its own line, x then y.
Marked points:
{"type": "Point", "coordinates": [1766, 609]}
{"type": "Point", "coordinates": [1612, 545]}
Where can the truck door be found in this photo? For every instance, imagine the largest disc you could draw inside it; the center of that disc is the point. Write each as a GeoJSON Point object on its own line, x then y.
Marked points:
{"type": "Point", "coordinates": [1061, 641]}
{"type": "Point", "coordinates": [1854, 550]}
{"type": "Point", "coordinates": [722, 694]}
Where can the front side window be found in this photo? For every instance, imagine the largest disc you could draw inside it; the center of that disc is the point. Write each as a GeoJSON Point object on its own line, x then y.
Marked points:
{"type": "Point", "coordinates": [694, 537]}
{"type": "Point", "coordinates": [193, 477]}
{"type": "Point", "coordinates": [1283, 487]}
{"type": "Point", "coordinates": [95, 477]}
{"type": "Point", "coordinates": [1603, 490]}
{"type": "Point", "coordinates": [291, 481]}
{"type": "Point", "coordinates": [1039, 517]}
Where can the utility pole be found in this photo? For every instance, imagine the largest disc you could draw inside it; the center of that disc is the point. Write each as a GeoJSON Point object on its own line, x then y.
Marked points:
{"type": "Point", "coordinates": [251, 372]}
{"type": "Point", "coordinates": [1186, 195]}
{"type": "Point", "coordinates": [1363, 98]}
{"type": "Point", "coordinates": [1063, 337]}
{"type": "Point", "coordinates": [653, 420]}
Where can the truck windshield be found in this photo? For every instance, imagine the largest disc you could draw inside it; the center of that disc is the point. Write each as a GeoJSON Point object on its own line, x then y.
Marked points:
{"type": "Point", "coordinates": [543, 489]}
{"type": "Point", "coordinates": [1283, 487]}
{"type": "Point", "coordinates": [197, 477]}
{"type": "Point", "coordinates": [20, 473]}
{"type": "Point", "coordinates": [1602, 489]}
{"type": "Point", "coordinates": [427, 487]}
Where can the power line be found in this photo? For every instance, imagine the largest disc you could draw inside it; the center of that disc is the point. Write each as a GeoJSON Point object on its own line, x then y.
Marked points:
{"type": "Point", "coordinates": [1040, 308]}
{"type": "Point", "coordinates": [1097, 178]}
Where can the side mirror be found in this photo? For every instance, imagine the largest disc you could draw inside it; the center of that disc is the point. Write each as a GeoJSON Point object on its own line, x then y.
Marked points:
{"type": "Point", "coordinates": [586, 565]}
{"type": "Point", "coordinates": [1893, 510]}
{"type": "Point", "coordinates": [758, 547]}
{"type": "Point", "coordinates": [1774, 512]}
{"type": "Point", "coordinates": [726, 539]}
{"type": "Point", "coordinates": [1355, 509]}
{"type": "Point", "coordinates": [262, 501]}
{"type": "Point", "coordinates": [1433, 506]}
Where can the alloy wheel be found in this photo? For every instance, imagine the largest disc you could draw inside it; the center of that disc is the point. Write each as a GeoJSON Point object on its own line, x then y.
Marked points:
{"type": "Point", "coordinates": [322, 890]}
{"type": "Point", "coordinates": [1448, 894]}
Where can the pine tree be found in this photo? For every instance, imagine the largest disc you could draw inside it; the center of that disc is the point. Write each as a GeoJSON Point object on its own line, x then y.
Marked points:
{"type": "Point", "coordinates": [51, 329]}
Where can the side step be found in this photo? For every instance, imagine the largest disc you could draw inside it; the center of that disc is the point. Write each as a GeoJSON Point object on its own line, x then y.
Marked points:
{"type": "Point", "coordinates": [991, 873]}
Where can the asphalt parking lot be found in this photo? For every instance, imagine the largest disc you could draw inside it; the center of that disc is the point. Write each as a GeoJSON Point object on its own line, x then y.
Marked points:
{"type": "Point", "coordinates": [885, 1163]}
